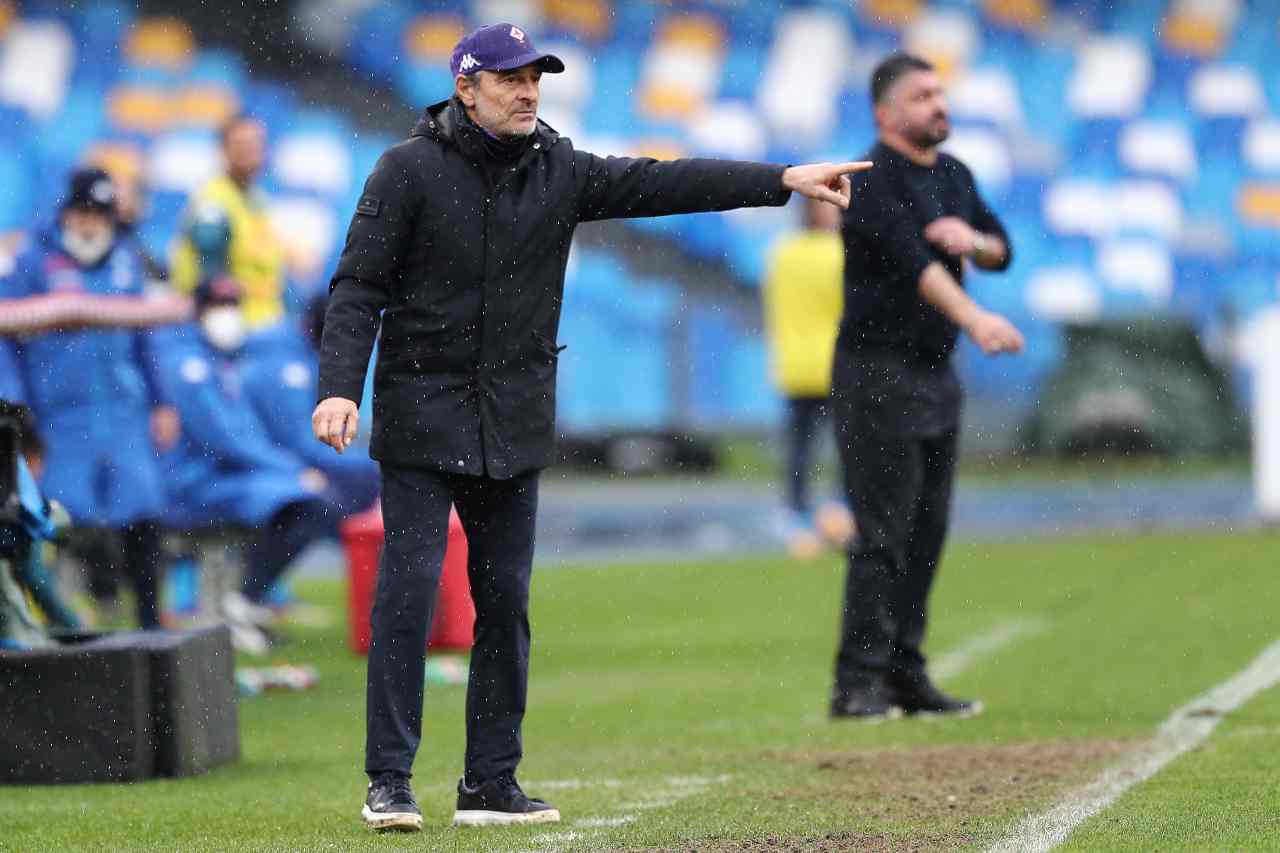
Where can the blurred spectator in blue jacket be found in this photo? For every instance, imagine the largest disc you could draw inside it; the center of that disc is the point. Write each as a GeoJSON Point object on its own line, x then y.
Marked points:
{"type": "Point", "coordinates": [226, 469]}
{"type": "Point", "coordinates": [97, 399]}
{"type": "Point", "coordinates": [11, 387]}
{"type": "Point", "coordinates": [281, 376]}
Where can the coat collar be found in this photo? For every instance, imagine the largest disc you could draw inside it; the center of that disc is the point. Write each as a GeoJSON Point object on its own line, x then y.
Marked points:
{"type": "Point", "coordinates": [439, 122]}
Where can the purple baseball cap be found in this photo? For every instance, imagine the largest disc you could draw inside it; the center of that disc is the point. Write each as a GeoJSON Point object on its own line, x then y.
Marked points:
{"type": "Point", "coordinates": [500, 47]}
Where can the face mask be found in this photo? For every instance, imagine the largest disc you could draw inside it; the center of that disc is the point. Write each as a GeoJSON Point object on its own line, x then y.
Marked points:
{"type": "Point", "coordinates": [87, 250]}
{"type": "Point", "coordinates": [223, 327]}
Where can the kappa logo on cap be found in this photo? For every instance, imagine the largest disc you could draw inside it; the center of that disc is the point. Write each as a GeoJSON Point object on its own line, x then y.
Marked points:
{"type": "Point", "coordinates": [102, 192]}
{"type": "Point", "coordinates": [468, 62]}
{"type": "Point", "coordinates": [517, 34]}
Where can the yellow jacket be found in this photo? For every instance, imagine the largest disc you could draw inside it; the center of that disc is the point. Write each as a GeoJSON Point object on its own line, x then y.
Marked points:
{"type": "Point", "coordinates": [803, 298]}
{"type": "Point", "coordinates": [255, 256]}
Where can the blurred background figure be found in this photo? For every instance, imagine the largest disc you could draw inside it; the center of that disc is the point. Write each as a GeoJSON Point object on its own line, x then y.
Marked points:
{"type": "Point", "coordinates": [802, 296]}
{"type": "Point", "coordinates": [227, 229]}
{"type": "Point", "coordinates": [23, 572]}
{"type": "Point", "coordinates": [96, 395]}
{"type": "Point", "coordinates": [226, 471]}
{"type": "Point", "coordinates": [281, 376]}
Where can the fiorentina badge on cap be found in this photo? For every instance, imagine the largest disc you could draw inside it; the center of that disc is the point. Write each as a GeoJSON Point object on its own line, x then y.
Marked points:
{"type": "Point", "coordinates": [517, 34]}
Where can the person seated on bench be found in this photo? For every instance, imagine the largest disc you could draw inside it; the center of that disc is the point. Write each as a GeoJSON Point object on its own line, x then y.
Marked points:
{"type": "Point", "coordinates": [25, 525]}
{"type": "Point", "coordinates": [225, 470]}
{"type": "Point", "coordinates": [280, 380]}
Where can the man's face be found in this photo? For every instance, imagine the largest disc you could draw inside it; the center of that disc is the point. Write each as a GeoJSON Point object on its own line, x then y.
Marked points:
{"type": "Point", "coordinates": [505, 103]}
{"type": "Point", "coordinates": [245, 150]}
{"type": "Point", "coordinates": [915, 108]}
{"type": "Point", "coordinates": [88, 226]}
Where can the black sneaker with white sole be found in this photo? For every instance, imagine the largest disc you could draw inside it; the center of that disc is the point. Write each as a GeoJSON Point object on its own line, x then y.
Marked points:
{"type": "Point", "coordinates": [500, 802]}
{"type": "Point", "coordinates": [919, 696]}
{"type": "Point", "coordinates": [869, 702]}
{"type": "Point", "coordinates": [390, 805]}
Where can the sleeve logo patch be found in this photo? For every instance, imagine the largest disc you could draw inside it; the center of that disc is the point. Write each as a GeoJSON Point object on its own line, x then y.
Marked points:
{"type": "Point", "coordinates": [369, 206]}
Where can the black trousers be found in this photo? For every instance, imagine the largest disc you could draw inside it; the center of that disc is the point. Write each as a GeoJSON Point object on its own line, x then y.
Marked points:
{"type": "Point", "coordinates": [498, 516]}
{"type": "Point", "coordinates": [284, 537]}
{"type": "Point", "coordinates": [899, 489]}
{"type": "Point", "coordinates": [133, 551]}
{"type": "Point", "coordinates": [805, 418]}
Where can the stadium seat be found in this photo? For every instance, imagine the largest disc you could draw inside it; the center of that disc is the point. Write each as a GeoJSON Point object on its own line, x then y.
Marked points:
{"type": "Point", "coordinates": [1261, 147]}
{"type": "Point", "coordinates": [36, 66]}
{"type": "Point", "coordinates": [142, 110]}
{"type": "Point", "coordinates": [1226, 90]}
{"type": "Point", "coordinates": [948, 38]}
{"type": "Point", "coordinates": [804, 73]}
{"type": "Point", "coordinates": [586, 20]}
{"type": "Point", "coordinates": [1027, 16]}
{"type": "Point", "coordinates": [1064, 295]}
{"type": "Point", "coordinates": [986, 94]}
{"type": "Point", "coordinates": [161, 43]}
{"type": "Point", "coordinates": [1164, 149]}
{"type": "Point", "coordinates": [180, 162]}
{"type": "Point", "coordinates": [320, 162]}
{"type": "Point", "coordinates": [1142, 267]}
{"type": "Point", "coordinates": [1111, 78]}
{"type": "Point", "coordinates": [430, 38]}
{"type": "Point", "coordinates": [729, 129]}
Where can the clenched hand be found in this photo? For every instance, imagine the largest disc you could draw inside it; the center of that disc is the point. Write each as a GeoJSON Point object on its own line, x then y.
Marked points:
{"type": "Point", "coordinates": [335, 421]}
{"type": "Point", "coordinates": [824, 181]}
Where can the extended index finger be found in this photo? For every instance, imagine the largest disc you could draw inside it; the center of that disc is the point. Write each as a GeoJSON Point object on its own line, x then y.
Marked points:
{"type": "Point", "coordinates": [853, 166]}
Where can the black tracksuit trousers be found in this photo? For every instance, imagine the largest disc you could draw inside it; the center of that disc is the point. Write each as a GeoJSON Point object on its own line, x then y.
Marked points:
{"type": "Point", "coordinates": [899, 490]}
{"type": "Point", "coordinates": [498, 516]}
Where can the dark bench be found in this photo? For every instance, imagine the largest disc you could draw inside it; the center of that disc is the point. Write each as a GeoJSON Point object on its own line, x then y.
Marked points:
{"type": "Point", "coordinates": [119, 707]}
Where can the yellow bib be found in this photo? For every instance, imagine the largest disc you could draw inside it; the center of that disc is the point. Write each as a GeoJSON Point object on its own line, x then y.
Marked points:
{"type": "Point", "coordinates": [255, 256]}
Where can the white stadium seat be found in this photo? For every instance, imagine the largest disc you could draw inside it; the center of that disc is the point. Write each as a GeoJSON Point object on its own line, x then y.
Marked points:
{"type": "Point", "coordinates": [989, 94]}
{"type": "Point", "coordinates": [1162, 148]}
{"type": "Point", "coordinates": [182, 162]}
{"type": "Point", "coordinates": [313, 161]}
{"type": "Point", "coordinates": [1137, 266]}
{"type": "Point", "coordinates": [1262, 146]}
{"type": "Point", "coordinates": [730, 129]}
{"type": "Point", "coordinates": [1227, 90]}
{"type": "Point", "coordinates": [1064, 295]}
{"type": "Point", "coordinates": [804, 74]}
{"type": "Point", "coordinates": [35, 67]}
{"type": "Point", "coordinates": [1111, 78]}
{"type": "Point", "coordinates": [1098, 209]}
{"type": "Point", "coordinates": [578, 82]}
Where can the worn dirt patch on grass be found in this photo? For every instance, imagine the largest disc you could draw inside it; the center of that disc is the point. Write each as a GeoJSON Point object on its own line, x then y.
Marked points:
{"type": "Point", "coordinates": [931, 798]}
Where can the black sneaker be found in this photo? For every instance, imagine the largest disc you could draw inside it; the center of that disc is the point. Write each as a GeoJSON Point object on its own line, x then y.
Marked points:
{"type": "Point", "coordinates": [499, 802]}
{"type": "Point", "coordinates": [919, 696]}
{"type": "Point", "coordinates": [390, 805]}
{"type": "Point", "coordinates": [870, 702]}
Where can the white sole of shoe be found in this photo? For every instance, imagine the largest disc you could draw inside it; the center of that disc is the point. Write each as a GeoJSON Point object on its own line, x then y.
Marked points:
{"type": "Point", "coordinates": [391, 821]}
{"type": "Point", "coordinates": [478, 817]}
{"type": "Point", "coordinates": [975, 711]}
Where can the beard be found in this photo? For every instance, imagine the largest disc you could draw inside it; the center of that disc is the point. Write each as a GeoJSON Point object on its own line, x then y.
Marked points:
{"type": "Point", "coordinates": [930, 135]}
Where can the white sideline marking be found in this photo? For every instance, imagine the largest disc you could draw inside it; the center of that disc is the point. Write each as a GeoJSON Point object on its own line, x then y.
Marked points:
{"type": "Point", "coordinates": [950, 664]}
{"type": "Point", "coordinates": [605, 822]}
{"type": "Point", "coordinates": [1185, 729]}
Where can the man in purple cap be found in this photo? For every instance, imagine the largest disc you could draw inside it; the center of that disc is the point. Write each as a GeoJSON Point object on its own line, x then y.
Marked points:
{"type": "Point", "coordinates": [457, 251]}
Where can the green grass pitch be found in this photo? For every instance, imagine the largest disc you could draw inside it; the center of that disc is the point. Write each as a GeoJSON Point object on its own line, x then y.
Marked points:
{"type": "Point", "coordinates": [681, 706]}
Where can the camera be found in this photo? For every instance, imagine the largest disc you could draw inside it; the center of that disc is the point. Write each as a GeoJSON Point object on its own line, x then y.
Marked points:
{"type": "Point", "coordinates": [10, 447]}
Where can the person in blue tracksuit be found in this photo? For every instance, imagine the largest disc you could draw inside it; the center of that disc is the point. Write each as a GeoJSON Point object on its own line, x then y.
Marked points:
{"type": "Point", "coordinates": [226, 469]}
{"type": "Point", "coordinates": [98, 401]}
{"type": "Point", "coordinates": [281, 372]}
{"type": "Point", "coordinates": [11, 386]}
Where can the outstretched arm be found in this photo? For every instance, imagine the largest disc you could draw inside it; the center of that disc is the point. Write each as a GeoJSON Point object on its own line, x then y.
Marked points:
{"type": "Point", "coordinates": [624, 187]}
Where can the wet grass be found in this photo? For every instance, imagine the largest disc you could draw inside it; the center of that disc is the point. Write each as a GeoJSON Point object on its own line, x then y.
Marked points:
{"type": "Point", "coordinates": [682, 706]}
